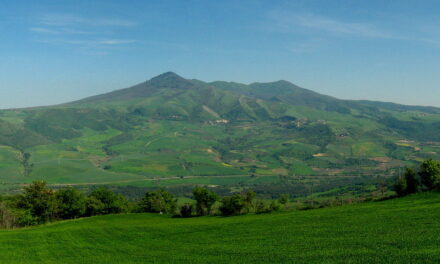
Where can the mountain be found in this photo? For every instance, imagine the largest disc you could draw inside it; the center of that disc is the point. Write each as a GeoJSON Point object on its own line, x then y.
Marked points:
{"type": "Point", "coordinates": [172, 131]}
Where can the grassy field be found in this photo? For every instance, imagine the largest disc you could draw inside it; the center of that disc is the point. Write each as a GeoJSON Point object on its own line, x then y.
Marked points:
{"type": "Point", "coordinates": [405, 230]}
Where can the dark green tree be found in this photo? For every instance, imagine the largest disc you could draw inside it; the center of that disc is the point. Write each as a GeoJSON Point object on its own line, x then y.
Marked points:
{"type": "Point", "coordinates": [412, 183]}
{"type": "Point", "coordinates": [430, 174]}
{"type": "Point", "coordinates": [71, 203]}
{"type": "Point", "coordinates": [159, 201]}
{"type": "Point", "coordinates": [284, 199]}
{"type": "Point", "coordinates": [232, 205]}
{"type": "Point", "coordinates": [39, 200]}
{"type": "Point", "coordinates": [249, 200]}
{"type": "Point", "coordinates": [205, 199]}
{"type": "Point", "coordinates": [186, 210]}
{"type": "Point", "coordinates": [400, 186]}
{"type": "Point", "coordinates": [104, 201]}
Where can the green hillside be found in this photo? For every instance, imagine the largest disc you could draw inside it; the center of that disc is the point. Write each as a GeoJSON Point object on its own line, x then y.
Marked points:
{"type": "Point", "coordinates": [404, 230]}
{"type": "Point", "coordinates": [171, 131]}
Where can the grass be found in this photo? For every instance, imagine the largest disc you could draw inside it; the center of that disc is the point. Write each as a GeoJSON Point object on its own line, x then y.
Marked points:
{"type": "Point", "coordinates": [405, 230]}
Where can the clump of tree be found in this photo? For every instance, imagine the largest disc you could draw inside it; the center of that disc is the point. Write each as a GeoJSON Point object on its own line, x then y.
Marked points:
{"type": "Point", "coordinates": [103, 201]}
{"type": "Point", "coordinates": [426, 178]}
{"type": "Point", "coordinates": [232, 205]}
{"type": "Point", "coordinates": [205, 199]}
{"type": "Point", "coordinates": [38, 204]}
{"type": "Point", "coordinates": [247, 203]}
{"type": "Point", "coordinates": [159, 201]}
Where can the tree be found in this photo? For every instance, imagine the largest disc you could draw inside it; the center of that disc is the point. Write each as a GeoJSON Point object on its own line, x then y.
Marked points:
{"type": "Point", "coordinates": [159, 201]}
{"type": "Point", "coordinates": [249, 200]}
{"type": "Point", "coordinates": [430, 174]}
{"type": "Point", "coordinates": [400, 186]}
{"type": "Point", "coordinates": [232, 205]}
{"type": "Point", "coordinates": [412, 183]}
{"type": "Point", "coordinates": [71, 203]}
{"type": "Point", "coordinates": [39, 200]}
{"type": "Point", "coordinates": [186, 210]}
{"type": "Point", "coordinates": [104, 201]}
{"type": "Point", "coordinates": [261, 208]}
{"type": "Point", "coordinates": [94, 206]}
{"type": "Point", "coordinates": [205, 199]}
{"type": "Point", "coordinates": [284, 199]}
{"type": "Point", "coordinates": [274, 206]}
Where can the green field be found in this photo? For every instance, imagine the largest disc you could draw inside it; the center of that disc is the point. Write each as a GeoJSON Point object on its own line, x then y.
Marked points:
{"type": "Point", "coordinates": [404, 230]}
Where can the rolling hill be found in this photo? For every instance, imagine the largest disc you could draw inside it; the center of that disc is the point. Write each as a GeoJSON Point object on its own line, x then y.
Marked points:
{"type": "Point", "coordinates": [172, 131]}
{"type": "Point", "coordinates": [404, 230]}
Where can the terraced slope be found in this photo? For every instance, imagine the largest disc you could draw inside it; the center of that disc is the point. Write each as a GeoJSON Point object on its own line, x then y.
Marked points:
{"type": "Point", "coordinates": [405, 230]}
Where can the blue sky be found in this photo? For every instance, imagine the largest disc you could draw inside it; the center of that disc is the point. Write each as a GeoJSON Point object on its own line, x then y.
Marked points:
{"type": "Point", "coordinates": [57, 51]}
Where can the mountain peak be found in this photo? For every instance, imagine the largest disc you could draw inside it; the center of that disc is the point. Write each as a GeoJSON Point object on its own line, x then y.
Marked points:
{"type": "Point", "coordinates": [167, 76]}
{"type": "Point", "coordinates": [170, 80]}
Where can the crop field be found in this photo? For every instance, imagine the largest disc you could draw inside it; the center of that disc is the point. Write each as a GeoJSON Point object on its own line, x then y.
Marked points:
{"type": "Point", "coordinates": [404, 230]}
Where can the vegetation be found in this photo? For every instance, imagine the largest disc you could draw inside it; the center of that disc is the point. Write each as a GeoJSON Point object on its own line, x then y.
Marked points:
{"type": "Point", "coordinates": [428, 179]}
{"type": "Point", "coordinates": [403, 230]}
{"type": "Point", "coordinates": [159, 201]}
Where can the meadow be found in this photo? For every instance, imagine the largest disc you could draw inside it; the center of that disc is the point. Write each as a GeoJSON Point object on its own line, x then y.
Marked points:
{"type": "Point", "coordinates": [403, 230]}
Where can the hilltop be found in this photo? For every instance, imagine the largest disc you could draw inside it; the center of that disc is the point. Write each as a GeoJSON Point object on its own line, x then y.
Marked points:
{"type": "Point", "coordinates": [276, 136]}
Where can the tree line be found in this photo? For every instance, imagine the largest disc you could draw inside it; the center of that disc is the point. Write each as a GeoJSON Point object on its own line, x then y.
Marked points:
{"type": "Point", "coordinates": [39, 204]}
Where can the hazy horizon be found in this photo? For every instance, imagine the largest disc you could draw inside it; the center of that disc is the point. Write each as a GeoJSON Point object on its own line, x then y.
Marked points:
{"type": "Point", "coordinates": [54, 52]}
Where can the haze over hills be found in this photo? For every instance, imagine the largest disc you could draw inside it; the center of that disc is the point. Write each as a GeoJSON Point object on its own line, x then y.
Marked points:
{"type": "Point", "coordinates": [218, 133]}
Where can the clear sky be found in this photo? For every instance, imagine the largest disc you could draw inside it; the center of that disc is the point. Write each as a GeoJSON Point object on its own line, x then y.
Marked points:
{"type": "Point", "coordinates": [57, 51]}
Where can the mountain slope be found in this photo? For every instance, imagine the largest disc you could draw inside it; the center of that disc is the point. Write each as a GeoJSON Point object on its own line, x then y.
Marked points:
{"type": "Point", "coordinates": [284, 136]}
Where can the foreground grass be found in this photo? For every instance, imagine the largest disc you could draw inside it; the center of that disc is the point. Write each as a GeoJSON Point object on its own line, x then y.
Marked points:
{"type": "Point", "coordinates": [405, 230]}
